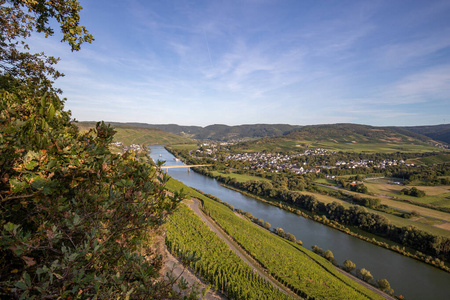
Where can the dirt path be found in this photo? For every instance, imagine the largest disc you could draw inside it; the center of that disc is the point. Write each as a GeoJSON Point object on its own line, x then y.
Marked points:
{"type": "Point", "coordinates": [178, 270]}
{"type": "Point", "coordinates": [194, 205]}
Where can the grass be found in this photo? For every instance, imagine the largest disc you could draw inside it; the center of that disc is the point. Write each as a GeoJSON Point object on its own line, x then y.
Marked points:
{"type": "Point", "coordinates": [239, 177]}
{"type": "Point", "coordinates": [438, 196]}
{"type": "Point", "coordinates": [184, 147]}
{"type": "Point", "coordinates": [437, 159]}
{"type": "Point", "coordinates": [286, 145]}
{"type": "Point", "coordinates": [425, 224]}
{"type": "Point", "coordinates": [326, 181]}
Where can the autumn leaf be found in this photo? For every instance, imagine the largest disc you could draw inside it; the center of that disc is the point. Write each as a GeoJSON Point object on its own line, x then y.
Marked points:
{"type": "Point", "coordinates": [29, 261]}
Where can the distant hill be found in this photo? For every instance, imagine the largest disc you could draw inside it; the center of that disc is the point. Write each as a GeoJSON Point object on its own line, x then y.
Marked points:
{"type": "Point", "coordinates": [219, 132]}
{"type": "Point", "coordinates": [355, 133]}
{"type": "Point", "coordinates": [436, 132]}
{"type": "Point", "coordinates": [128, 135]}
{"type": "Point", "coordinates": [331, 135]}
{"type": "Point", "coordinates": [346, 137]}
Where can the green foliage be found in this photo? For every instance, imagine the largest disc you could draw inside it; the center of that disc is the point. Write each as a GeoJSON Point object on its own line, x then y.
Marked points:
{"type": "Point", "coordinates": [138, 135]}
{"type": "Point", "coordinates": [383, 284]}
{"type": "Point", "coordinates": [415, 192]}
{"type": "Point", "coordinates": [349, 265]}
{"type": "Point", "coordinates": [76, 221]}
{"type": "Point", "coordinates": [75, 218]}
{"type": "Point", "coordinates": [19, 19]}
{"type": "Point", "coordinates": [359, 188]}
{"type": "Point", "coordinates": [364, 274]}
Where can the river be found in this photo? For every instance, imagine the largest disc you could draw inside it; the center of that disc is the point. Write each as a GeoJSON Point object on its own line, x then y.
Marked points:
{"type": "Point", "coordinates": [408, 277]}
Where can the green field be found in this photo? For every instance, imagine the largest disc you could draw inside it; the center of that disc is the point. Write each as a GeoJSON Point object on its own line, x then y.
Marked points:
{"type": "Point", "coordinates": [184, 146]}
{"type": "Point", "coordinates": [438, 196]}
{"type": "Point", "coordinates": [295, 266]}
{"type": "Point", "coordinates": [239, 177]}
{"type": "Point", "coordinates": [438, 159]}
{"type": "Point", "coordinates": [372, 147]}
{"type": "Point", "coordinates": [425, 224]}
{"type": "Point", "coordinates": [288, 145]}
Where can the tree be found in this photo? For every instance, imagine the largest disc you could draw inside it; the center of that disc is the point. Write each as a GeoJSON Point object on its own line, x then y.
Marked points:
{"type": "Point", "coordinates": [364, 274]}
{"type": "Point", "coordinates": [267, 225]}
{"type": "Point", "coordinates": [75, 219]}
{"type": "Point", "coordinates": [349, 265]}
{"type": "Point", "coordinates": [383, 284]}
{"type": "Point", "coordinates": [279, 231]}
{"type": "Point", "coordinates": [290, 237]}
{"type": "Point", "coordinates": [328, 255]}
{"type": "Point", "coordinates": [19, 18]}
{"type": "Point", "coordinates": [316, 249]}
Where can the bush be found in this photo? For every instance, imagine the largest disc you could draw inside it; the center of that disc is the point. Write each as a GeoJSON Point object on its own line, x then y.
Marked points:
{"type": "Point", "coordinates": [92, 217]}
{"type": "Point", "coordinates": [349, 266]}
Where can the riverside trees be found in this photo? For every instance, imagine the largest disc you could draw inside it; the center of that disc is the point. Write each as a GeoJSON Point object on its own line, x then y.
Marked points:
{"type": "Point", "coordinates": [75, 219]}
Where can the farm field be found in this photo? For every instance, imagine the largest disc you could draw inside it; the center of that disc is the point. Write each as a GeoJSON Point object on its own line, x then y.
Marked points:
{"type": "Point", "coordinates": [184, 147]}
{"type": "Point", "coordinates": [295, 266]}
{"type": "Point", "coordinates": [239, 177]}
{"type": "Point", "coordinates": [435, 195]}
{"type": "Point", "coordinates": [423, 224]}
{"type": "Point", "coordinates": [399, 204]}
{"type": "Point", "coordinates": [187, 234]}
{"type": "Point", "coordinates": [284, 145]}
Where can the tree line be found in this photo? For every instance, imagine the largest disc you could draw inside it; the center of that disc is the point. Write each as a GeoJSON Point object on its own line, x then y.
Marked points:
{"type": "Point", "coordinates": [357, 216]}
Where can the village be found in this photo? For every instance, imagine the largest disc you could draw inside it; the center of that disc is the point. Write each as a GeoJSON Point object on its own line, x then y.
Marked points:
{"type": "Point", "coordinates": [276, 162]}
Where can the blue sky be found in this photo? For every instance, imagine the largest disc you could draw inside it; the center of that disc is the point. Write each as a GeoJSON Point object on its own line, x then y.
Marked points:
{"type": "Point", "coordinates": [259, 61]}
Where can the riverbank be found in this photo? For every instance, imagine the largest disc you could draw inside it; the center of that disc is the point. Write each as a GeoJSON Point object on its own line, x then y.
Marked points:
{"type": "Point", "coordinates": [414, 280]}
{"type": "Point", "coordinates": [195, 208]}
{"type": "Point", "coordinates": [335, 225]}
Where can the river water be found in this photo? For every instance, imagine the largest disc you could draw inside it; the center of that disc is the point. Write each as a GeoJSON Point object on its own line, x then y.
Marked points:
{"type": "Point", "coordinates": [408, 277]}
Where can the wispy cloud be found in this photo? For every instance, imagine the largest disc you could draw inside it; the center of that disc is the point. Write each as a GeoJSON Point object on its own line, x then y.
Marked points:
{"type": "Point", "coordinates": [415, 51]}
{"type": "Point", "coordinates": [427, 85]}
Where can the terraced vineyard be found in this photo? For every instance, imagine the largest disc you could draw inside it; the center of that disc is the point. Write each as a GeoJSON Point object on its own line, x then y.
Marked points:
{"type": "Point", "coordinates": [187, 234]}
{"type": "Point", "coordinates": [304, 272]}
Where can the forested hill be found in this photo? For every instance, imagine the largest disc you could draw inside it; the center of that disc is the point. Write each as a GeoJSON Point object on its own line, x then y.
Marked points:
{"type": "Point", "coordinates": [344, 133]}
{"type": "Point", "coordinates": [128, 135]}
{"type": "Point", "coordinates": [354, 133]}
{"type": "Point", "coordinates": [218, 132]}
{"type": "Point", "coordinates": [436, 132]}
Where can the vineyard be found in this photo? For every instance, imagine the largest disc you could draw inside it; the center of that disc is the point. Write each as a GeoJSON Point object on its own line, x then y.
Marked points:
{"type": "Point", "coordinates": [216, 263]}
{"type": "Point", "coordinates": [304, 272]}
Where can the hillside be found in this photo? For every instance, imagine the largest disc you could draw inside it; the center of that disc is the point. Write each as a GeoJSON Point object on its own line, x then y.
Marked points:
{"type": "Point", "coordinates": [436, 132]}
{"type": "Point", "coordinates": [338, 136]}
{"type": "Point", "coordinates": [355, 133]}
{"type": "Point", "coordinates": [347, 137]}
{"type": "Point", "coordinates": [219, 132]}
{"type": "Point", "coordinates": [128, 135]}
